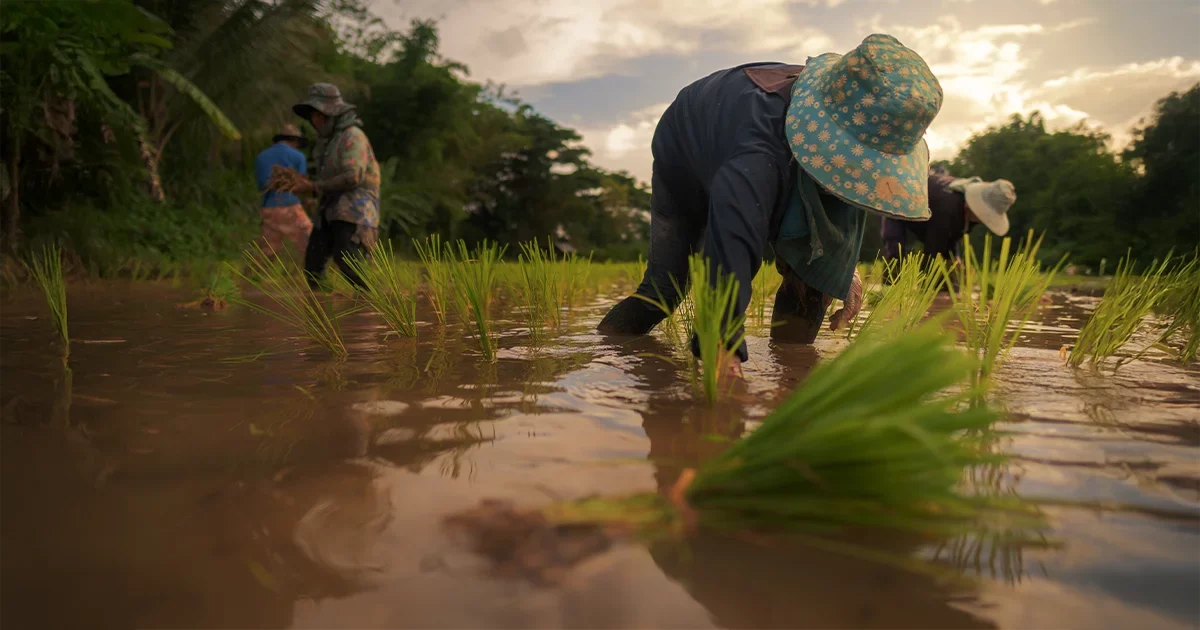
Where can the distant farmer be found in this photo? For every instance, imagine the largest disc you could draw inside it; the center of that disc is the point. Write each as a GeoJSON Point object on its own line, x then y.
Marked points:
{"type": "Point", "coordinates": [956, 205]}
{"type": "Point", "coordinates": [346, 182]}
{"type": "Point", "coordinates": [792, 156]}
{"type": "Point", "coordinates": [284, 221]}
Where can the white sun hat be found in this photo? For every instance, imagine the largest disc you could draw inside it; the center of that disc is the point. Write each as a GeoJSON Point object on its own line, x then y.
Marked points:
{"type": "Point", "coordinates": [990, 201]}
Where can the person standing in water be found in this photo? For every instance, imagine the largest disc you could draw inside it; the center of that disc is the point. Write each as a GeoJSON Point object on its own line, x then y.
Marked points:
{"type": "Point", "coordinates": [790, 156]}
{"type": "Point", "coordinates": [956, 206]}
{"type": "Point", "coordinates": [284, 221]}
{"type": "Point", "coordinates": [346, 183]}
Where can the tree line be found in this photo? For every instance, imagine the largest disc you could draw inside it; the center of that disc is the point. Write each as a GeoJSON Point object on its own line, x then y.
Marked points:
{"type": "Point", "coordinates": [129, 128]}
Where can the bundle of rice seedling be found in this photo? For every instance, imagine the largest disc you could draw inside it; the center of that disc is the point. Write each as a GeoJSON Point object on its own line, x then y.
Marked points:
{"type": "Point", "coordinates": [872, 438]}
{"type": "Point", "coordinates": [1010, 290]}
{"type": "Point", "coordinates": [766, 284]}
{"type": "Point", "coordinates": [297, 305]}
{"type": "Point", "coordinates": [46, 268]}
{"type": "Point", "coordinates": [389, 288]}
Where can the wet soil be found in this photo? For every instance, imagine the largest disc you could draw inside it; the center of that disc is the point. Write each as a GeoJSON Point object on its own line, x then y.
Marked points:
{"type": "Point", "coordinates": [196, 468]}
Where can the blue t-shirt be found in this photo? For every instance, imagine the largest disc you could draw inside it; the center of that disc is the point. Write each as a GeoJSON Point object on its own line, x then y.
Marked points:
{"type": "Point", "coordinates": [283, 155]}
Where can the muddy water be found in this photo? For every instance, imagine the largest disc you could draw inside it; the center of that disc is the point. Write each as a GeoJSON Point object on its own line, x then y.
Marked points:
{"type": "Point", "coordinates": [179, 476]}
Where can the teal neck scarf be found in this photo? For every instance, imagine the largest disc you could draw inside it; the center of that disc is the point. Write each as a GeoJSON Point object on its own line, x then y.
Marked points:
{"type": "Point", "coordinates": [820, 238]}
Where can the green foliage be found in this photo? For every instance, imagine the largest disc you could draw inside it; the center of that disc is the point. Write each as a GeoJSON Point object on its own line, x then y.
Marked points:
{"type": "Point", "coordinates": [221, 286]}
{"type": "Point", "coordinates": [540, 288]}
{"type": "Point", "coordinates": [46, 268]}
{"type": "Point", "coordinates": [1180, 306]}
{"type": "Point", "coordinates": [296, 304]}
{"type": "Point", "coordinates": [1069, 186]}
{"type": "Point", "coordinates": [1165, 204]}
{"type": "Point", "coordinates": [390, 288]}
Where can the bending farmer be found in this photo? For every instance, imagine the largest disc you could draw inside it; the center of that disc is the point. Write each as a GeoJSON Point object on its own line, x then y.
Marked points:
{"type": "Point", "coordinates": [284, 221]}
{"type": "Point", "coordinates": [957, 205]}
{"type": "Point", "coordinates": [791, 156]}
{"type": "Point", "coordinates": [346, 182]}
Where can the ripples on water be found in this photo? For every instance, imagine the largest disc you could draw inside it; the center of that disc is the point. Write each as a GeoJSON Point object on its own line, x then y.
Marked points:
{"type": "Point", "coordinates": [167, 480]}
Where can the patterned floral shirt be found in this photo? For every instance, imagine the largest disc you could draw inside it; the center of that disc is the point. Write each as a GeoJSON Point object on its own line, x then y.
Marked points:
{"type": "Point", "coordinates": [347, 178]}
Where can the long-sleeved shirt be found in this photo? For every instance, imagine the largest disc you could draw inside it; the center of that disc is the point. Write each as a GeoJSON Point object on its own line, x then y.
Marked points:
{"type": "Point", "coordinates": [279, 154]}
{"type": "Point", "coordinates": [348, 177]}
{"type": "Point", "coordinates": [942, 233]}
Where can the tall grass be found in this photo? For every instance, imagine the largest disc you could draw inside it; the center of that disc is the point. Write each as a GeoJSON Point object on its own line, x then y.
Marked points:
{"type": "Point", "coordinates": [1010, 288]}
{"type": "Point", "coordinates": [1180, 303]}
{"type": "Point", "coordinates": [296, 304]}
{"type": "Point", "coordinates": [45, 265]}
{"type": "Point", "coordinates": [916, 282]}
{"type": "Point", "coordinates": [433, 253]}
{"type": "Point", "coordinates": [390, 288]}
{"type": "Point", "coordinates": [1127, 301]}
{"type": "Point", "coordinates": [474, 285]}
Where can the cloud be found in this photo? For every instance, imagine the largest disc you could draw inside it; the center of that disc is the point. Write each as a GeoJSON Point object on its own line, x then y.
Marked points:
{"type": "Point", "coordinates": [533, 42]}
{"type": "Point", "coordinates": [626, 145]}
{"type": "Point", "coordinates": [984, 73]}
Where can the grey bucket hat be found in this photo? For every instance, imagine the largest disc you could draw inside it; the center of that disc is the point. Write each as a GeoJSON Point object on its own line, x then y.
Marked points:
{"type": "Point", "coordinates": [324, 98]}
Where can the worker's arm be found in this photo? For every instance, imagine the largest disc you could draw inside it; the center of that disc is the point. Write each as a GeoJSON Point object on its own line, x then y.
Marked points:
{"type": "Point", "coordinates": [354, 156]}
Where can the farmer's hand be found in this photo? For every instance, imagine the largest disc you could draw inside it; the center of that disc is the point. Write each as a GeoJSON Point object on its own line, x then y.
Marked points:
{"type": "Point", "coordinates": [850, 307]}
{"type": "Point", "coordinates": [678, 497]}
{"type": "Point", "coordinates": [302, 185]}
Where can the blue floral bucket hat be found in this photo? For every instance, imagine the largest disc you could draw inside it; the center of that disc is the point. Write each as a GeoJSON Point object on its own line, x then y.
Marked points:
{"type": "Point", "coordinates": [857, 125]}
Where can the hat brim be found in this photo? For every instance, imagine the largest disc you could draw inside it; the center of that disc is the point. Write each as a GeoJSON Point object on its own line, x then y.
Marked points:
{"type": "Point", "coordinates": [995, 221]}
{"type": "Point", "coordinates": [894, 185]}
{"type": "Point", "coordinates": [299, 139]}
{"type": "Point", "coordinates": [305, 109]}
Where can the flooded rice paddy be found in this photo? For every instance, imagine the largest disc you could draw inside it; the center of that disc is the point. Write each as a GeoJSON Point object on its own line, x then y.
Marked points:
{"type": "Point", "coordinates": [198, 469]}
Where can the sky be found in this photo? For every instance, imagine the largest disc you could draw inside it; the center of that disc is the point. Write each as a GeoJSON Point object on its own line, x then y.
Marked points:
{"type": "Point", "coordinates": [608, 68]}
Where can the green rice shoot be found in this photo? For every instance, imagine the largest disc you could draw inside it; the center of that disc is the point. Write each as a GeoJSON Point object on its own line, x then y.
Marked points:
{"type": "Point", "coordinates": [1010, 289]}
{"type": "Point", "coordinates": [438, 281]}
{"type": "Point", "coordinates": [1180, 305]}
{"type": "Point", "coordinates": [474, 284]}
{"type": "Point", "coordinates": [390, 288]}
{"type": "Point", "coordinates": [539, 287]}
{"type": "Point", "coordinates": [45, 265]}
{"type": "Point", "coordinates": [1127, 301]}
{"type": "Point", "coordinates": [296, 304]}
{"type": "Point", "coordinates": [766, 284]}
{"type": "Point", "coordinates": [915, 285]}
{"type": "Point", "coordinates": [718, 331]}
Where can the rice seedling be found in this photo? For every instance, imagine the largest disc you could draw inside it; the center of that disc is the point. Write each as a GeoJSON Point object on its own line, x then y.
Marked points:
{"type": "Point", "coordinates": [1010, 288]}
{"type": "Point", "coordinates": [1127, 301]}
{"type": "Point", "coordinates": [433, 254]}
{"type": "Point", "coordinates": [297, 306]}
{"type": "Point", "coordinates": [867, 440]}
{"type": "Point", "coordinates": [1180, 303]}
{"type": "Point", "coordinates": [766, 284]}
{"type": "Point", "coordinates": [538, 287]}
{"type": "Point", "coordinates": [916, 281]}
{"type": "Point", "coordinates": [474, 284]}
{"type": "Point", "coordinates": [45, 266]}
{"type": "Point", "coordinates": [576, 271]}
{"type": "Point", "coordinates": [718, 331]}
{"type": "Point", "coordinates": [389, 289]}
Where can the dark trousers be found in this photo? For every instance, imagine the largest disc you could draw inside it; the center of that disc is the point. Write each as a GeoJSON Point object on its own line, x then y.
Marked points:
{"type": "Point", "coordinates": [730, 223]}
{"type": "Point", "coordinates": [332, 239]}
